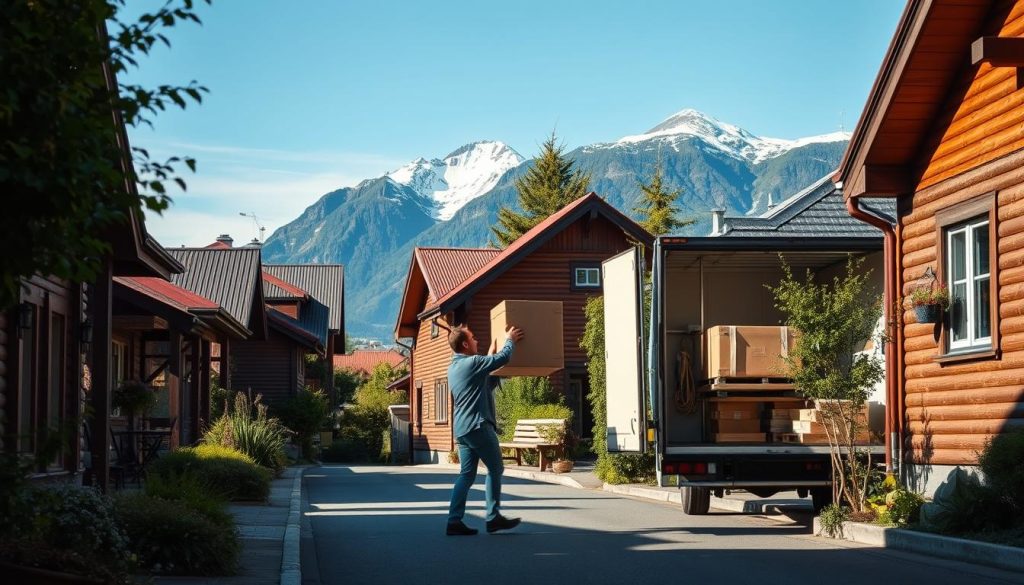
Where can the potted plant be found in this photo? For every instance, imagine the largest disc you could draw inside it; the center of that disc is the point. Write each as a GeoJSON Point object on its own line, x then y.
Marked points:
{"type": "Point", "coordinates": [929, 303]}
{"type": "Point", "coordinates": [133, 398]}
{"type": "Point", "coordinates": [556, 434]}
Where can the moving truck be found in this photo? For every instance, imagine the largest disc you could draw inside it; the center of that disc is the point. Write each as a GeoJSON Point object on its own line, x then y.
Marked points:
{"type": "Point", "coordinates": [666, 389]}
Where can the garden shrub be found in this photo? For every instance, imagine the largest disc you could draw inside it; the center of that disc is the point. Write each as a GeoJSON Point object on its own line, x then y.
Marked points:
{"type": "Point", "coordinates": [347, 448]}
{"type": "Point", "coordinates": [368, 420]}
{"type": "Point", "coordinates": [191, 491]}
{"type": "Point", "coordinates": [168, 537]}
{"type": "Point", "coordinates": [248, 428]}
{"type": "Point", "coordinates": [1002, 462]}
{"type": "Point", "coordinates": [516, 398]}
{"type": "Point", "coordinates": [903, 507]}
{"type": "Point", "coordinates": [230, 473]}
{"type": "Point", "coordinates": [962, 504]}
{"type": "Point", "coordinates": [305, 414]}
{"type": "Point", "coordinates": [70, 529]}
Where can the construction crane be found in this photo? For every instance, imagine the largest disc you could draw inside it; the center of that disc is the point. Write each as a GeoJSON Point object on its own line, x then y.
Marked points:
{"type": "Point", "coordinates": [256, 221]}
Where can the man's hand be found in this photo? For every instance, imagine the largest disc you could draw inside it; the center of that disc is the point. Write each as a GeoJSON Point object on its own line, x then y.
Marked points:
{"type": "Point", "coordinates": [494, 347]}
{"type": "Point", "coordinates": [514, 333]}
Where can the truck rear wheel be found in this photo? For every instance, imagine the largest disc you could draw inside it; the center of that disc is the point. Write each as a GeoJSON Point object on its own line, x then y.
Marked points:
{"type": "Point", "coordinates": [696, 500]}
{"type": "Point", "coordinates": [821, 497]}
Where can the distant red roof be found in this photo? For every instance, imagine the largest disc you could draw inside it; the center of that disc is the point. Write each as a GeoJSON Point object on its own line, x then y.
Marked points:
{"type": "Point", "coordinates": [446, 268]}
{"type": "Point", "coordinates": [364, 360]}
{"type": "Point", "coordinates": [167, 293]}
{"type": "Point", "coordinates": [218, 246]}
{"type": "Point", "coordinates": [535, 236]}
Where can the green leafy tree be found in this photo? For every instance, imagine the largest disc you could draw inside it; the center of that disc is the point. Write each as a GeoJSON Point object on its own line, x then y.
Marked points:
{"type": "Point", "coordinates": [550, 184]}
{"type": "Point", "coordinates": [346, 382]}
{"type": "Point", "coordinates": [611, 467]}
{"type": "Point", "coordinates": [63, 158]}
{"type": "Point", "coordinates": [834, 320]}
{"type": "Point", "coordinates": [367, 422]}
{"type": "Point", "coordinates": [657, 209]}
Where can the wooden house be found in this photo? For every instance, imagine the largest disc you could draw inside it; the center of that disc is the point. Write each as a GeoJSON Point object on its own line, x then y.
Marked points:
{"type": "Point", "coordinates": [557, 260]}
{"type": "Point", "coordinates": [943, 134]}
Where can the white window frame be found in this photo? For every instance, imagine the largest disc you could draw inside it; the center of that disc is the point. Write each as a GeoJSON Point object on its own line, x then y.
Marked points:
{"type": "Point", "coordinates": [968, 228]}
{"type": "Point", "coordinates": [587, 271]}
{"type": "Point", "coordinates": [441, 400]}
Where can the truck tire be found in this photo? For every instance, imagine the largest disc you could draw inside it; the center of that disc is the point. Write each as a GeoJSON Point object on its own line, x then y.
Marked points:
{"type": "Point", "coordinates": [821, 497]}
{"type": "Point", "coordinates": [696, 500]}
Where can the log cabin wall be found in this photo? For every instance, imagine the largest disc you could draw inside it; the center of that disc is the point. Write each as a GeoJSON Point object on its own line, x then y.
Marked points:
{"type": "Point", "coordinates": [265, 367]}
{"type": "Point", "coordinates": [953, 406]}
{"type": "Point", "coordinates": [544, 275]}
{"type": "Point", "coordinates": [429, 365]}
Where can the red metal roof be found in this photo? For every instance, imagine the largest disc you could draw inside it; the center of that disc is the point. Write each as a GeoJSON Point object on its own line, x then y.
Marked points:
{"type": "Point", "coordinates": [536, 235]}
{"type": "Point", "coordinates": [364, 360]}
{"type": "Point", "coordinates": [218, 246]}
{"type": "Point", "coordinates": [287, 287]}
{"type": "Point", "coordinates": [446, 268]}
{"type": "Point", "coordinates": [167, 293]}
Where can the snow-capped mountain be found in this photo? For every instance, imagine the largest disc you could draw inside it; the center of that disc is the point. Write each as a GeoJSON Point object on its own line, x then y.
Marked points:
{"type": "Point", "coordinates": [458, 178]}
{"type": "Point", "coordinates": [372, 227]}
{"type": "Point", "coordinates": [689, 124]}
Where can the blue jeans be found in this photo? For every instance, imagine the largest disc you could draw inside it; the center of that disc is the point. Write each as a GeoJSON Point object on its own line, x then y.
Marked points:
{"type": "Point", "coordinates": [480, 444]}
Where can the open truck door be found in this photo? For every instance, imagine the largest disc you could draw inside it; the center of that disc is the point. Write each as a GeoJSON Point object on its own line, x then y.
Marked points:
{"type": "Point", "coordinates": [626, 425]}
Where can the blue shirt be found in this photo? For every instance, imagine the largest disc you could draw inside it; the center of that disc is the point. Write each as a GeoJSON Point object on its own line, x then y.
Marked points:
{"type": "Point", "coordinates": [472, 386]}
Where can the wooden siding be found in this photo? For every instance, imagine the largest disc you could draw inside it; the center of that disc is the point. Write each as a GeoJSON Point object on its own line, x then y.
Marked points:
{"type": "Point", "coordinates": [951, 409]}
{"type": "Point", "coordinates": [265, 367]}
{"type": "Point", "coordinates": [988, 122]}
{"type": "Point", "coordinates": [430, 361]}
{"type": "Point", "coordinates": [545, 275]}
{"type": "Point", "coordinates": [5, 352]}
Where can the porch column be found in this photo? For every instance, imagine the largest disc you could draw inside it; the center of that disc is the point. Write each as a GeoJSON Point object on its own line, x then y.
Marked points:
{"type": "Point", "coordinates": [225, 363]}
{"type": "Point", "coordinates": [174, 384]}
{"type": "Point", "coordinates": [100, 309]}
{"type": "Point", "coordinates": [195, 390]}
{"type": "Point", "coordinates": [204, 385]}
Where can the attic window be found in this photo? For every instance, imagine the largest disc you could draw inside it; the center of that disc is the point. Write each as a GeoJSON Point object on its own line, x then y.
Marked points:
{"type": "Point", "coordinates": [434, 332]}
{"type": "Point", "coordinates": [586, 277]}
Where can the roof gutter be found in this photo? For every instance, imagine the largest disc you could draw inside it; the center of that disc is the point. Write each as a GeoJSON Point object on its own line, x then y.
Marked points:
{"type": "Point", "coordinates": [894, 337]}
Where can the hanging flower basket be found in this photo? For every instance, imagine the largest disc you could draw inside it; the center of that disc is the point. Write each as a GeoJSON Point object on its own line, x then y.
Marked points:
{"type": "Point", "coordinates": [928, 313]}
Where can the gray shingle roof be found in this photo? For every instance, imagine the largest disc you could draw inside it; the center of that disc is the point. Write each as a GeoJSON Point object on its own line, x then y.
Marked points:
{"type": "Point", "coordinates": [324, 282]}
{"type": "Point", "coordinates": [227, 276]}
{"type": "Point", "coordinates": [818, 211]}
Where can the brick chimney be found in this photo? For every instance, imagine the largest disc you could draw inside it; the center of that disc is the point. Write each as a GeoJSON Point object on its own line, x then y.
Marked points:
{"type": "Point", "coordinates": [717, 222]}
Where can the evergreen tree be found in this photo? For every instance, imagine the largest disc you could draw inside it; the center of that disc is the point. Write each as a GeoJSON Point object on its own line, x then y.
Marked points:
{"type": "Point", "coordinates": [550, 184]}
{"type": "Point", "coordinates": [657, 207]}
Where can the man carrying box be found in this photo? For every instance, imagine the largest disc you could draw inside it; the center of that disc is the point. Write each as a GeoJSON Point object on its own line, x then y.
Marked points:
{"type": "Point", "coordinates": [475, 430]}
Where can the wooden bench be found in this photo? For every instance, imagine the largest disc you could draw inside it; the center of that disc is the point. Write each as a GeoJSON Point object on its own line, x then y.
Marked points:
{"type": "Point", "coordinates": [528, 438]}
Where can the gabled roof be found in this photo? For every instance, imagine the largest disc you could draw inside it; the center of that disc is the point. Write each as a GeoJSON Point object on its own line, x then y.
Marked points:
{"type": "Point", "coordinates": [230, 277]}
{"type": "Point", "coordinates": [816, 212]}
{"type": "Point", "coordinates": [275, 288]}
{"type": "Point", "coordinates": [324, 282]}
{"type": "Point", "coordinates": [294, 329]}
{"type": "Point", "coordinates": [929, 53]}
{"type": "Point", "coordinates": [590, 204]}
{"type": "Point", "coordinates": [183, 301]}
{"type": "Point", "coordinates": [446, 268]}
{"type": "Point", "coordinates": [364, 360]}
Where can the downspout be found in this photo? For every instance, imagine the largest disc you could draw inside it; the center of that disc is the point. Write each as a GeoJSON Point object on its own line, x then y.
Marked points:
{"type": "Point", "coordinates": [893, 401]}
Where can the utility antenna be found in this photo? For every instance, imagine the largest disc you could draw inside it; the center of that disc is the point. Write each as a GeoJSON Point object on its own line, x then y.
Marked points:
{"type": "Point", "coordinates": [841, 121]}
{"type": "Point", "coordinates": [256, 221]}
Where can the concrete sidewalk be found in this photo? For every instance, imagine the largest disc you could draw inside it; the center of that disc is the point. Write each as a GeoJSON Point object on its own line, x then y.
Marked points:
{"type": "Point", "coordinates": [269, 535]}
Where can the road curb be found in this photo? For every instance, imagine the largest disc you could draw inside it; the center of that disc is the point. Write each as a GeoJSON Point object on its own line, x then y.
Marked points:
{"type": "Point", "coordinates": [291, 564]}
{"type": "Point", "coordinates": [946, 547]}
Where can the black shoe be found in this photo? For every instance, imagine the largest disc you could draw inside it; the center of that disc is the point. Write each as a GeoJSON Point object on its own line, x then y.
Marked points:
{"type": "Point", "coordinates": [501, 523]}
{"type": "Point", "coordinates": [460, 529]}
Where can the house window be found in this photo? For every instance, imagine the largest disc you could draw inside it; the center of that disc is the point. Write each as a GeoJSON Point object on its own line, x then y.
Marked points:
{"type": "Point", "coordinates": [434, 330]}
{"type": "Point", "coordinates": [586, 277]}
{"type": "Point", "coordinates": [419, 404]}
{"type": "Point", "coordinates": [968, 267]}
{"type": "Point", "coordinates": [441, 400]}
{"type": "Point", "coordinates": [27, 382]}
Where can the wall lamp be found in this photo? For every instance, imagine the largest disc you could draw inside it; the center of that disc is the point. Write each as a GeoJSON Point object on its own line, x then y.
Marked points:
{"type": "Point", "coordinates": [85, 332]}
{"type": "Point", "coordinates": [26, 315]}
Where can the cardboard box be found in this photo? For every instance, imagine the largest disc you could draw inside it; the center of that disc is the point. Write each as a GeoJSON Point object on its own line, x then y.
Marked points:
{"type": "Point", "coordinates": [736, 411]}
{"type": "Point", "coordinates": [741, 351]}
{"type": "Point", "coordinates": [740, 438]}
{"type": "Point", "coordinates": [726, 425]}
{"type": "Point", "coordinates": [541, 351]}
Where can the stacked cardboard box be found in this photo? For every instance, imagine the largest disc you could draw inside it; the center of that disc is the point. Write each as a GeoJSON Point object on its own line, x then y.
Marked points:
{"type": "Point", "coordinates": [807, 425]}
{"type": "Point", "coordinates": [736, 422]}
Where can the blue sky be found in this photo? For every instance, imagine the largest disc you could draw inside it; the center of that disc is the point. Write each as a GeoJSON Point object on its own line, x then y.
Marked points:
{"type": "Point", "coordinates": [310, 96]}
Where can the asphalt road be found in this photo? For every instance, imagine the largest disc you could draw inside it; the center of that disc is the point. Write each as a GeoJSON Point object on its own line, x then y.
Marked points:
{"type": "Point", "coordinates": [376, 524]}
